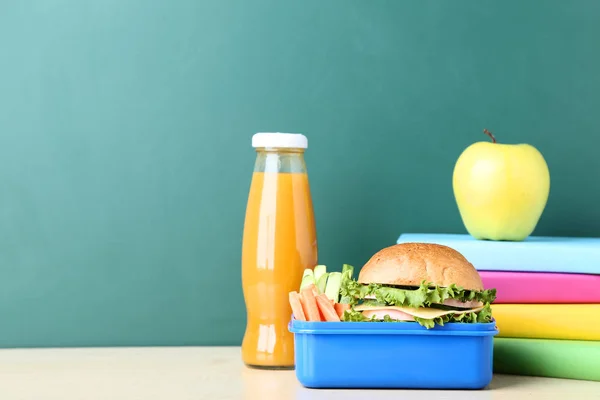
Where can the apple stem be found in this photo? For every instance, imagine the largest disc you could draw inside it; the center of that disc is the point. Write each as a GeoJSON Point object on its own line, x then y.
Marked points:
{"type": "Point", "coordinates": [490, 135]}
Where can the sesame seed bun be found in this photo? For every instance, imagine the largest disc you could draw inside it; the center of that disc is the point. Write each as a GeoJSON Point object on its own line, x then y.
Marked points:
{"type": "Point", "coordinates": [408, 264]}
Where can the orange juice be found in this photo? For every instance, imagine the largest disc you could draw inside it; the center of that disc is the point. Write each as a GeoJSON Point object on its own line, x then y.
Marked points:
{"type": "Point", "coordinates": [279, 242]}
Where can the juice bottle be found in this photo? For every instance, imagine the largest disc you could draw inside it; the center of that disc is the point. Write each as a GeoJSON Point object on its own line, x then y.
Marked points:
{"type": "Point", "coordinates": [279, 242]}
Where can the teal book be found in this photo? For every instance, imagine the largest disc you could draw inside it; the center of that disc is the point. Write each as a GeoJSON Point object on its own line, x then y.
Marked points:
{"type": "Point", "coordinates": [535, 254]}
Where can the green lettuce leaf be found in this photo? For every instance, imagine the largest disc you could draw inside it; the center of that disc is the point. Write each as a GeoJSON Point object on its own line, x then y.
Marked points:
{"type": "Point", "coordinates": [355, 316]}
{"type": "Point", "coordinates": [423, 296]}
{"type": "Point", "coordinates": [346, 279]}
{"type": "Point", "coordinates": [428, 323]}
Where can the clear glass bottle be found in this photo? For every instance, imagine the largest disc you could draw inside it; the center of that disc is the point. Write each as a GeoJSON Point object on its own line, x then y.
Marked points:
{"type": "Point", "coordinates": [279, 242]}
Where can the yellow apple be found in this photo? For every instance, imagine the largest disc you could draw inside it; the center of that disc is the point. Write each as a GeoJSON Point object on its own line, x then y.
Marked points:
{"type": "Point", "coordinates": [501, 189]}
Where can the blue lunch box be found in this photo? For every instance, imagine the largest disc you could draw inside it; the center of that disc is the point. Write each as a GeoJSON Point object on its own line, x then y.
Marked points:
{"type": "Point", "coordinates": [393, 355]}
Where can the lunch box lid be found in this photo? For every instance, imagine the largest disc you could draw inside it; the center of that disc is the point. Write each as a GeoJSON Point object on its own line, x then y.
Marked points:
{"type": "Point", "coordinates": [393, 328]}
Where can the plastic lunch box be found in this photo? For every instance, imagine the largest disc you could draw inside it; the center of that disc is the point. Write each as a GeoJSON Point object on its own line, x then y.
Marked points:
{"type": "Point", "coordinates": [393, 355]}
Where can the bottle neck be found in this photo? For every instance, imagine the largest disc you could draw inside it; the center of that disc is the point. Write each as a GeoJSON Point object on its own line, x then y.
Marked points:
{"type": "Point", "coordinates": [280, 160]}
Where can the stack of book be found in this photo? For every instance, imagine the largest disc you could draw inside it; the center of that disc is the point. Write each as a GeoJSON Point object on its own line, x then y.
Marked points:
{"type": "Point", "coordinates": [548, 301]}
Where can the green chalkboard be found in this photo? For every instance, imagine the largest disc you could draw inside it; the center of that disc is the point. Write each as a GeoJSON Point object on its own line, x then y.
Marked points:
{"type": "Point", "coordinates": [125, 155]}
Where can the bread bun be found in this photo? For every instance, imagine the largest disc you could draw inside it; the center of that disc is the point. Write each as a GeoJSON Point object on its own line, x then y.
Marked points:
{"type": "Point", "coordinates": [409, 264]}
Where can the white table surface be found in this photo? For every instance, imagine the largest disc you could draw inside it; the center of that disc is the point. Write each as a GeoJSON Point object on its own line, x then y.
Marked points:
{"type": "Point", "coordinates": [215, 373]}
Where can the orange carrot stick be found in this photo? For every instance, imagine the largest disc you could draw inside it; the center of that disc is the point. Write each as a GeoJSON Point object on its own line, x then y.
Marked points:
{"type": "Point", "coordinates": [321, 316]}
{"type": "Point", "coordinates": [310, 305]}
{"type": "Point", "coordinates": [326, 308]}
{"type": "Point", "coordinates": [340, 308]}
{"type": "Point", "coordinates": [314, 289]}
{"type": "Point", "coordinates": [296, 305]}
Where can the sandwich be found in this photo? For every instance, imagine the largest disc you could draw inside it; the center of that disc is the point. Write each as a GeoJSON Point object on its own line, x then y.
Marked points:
{"type": "Point", "coordinates": [429, 284]}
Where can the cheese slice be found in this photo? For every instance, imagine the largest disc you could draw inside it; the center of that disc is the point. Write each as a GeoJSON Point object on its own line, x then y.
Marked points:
{"type": "Point", "coordinates": [421, 312]}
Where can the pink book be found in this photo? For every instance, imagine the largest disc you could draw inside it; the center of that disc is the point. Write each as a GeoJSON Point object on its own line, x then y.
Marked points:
{"type": "Point", "coordinates": [542, 287]}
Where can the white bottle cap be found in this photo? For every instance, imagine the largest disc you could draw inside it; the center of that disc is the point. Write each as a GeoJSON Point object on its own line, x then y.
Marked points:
{"type": "Point", "coordinates": [279, 140]}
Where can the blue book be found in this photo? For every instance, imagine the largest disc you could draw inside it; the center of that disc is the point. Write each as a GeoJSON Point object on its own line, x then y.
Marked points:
{"type": "Point", "coordinates": [535, 254]}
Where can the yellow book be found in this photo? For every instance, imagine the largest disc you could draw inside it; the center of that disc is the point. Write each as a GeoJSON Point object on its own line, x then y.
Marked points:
{"type": "Point", "coordinates": [548, 321]}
